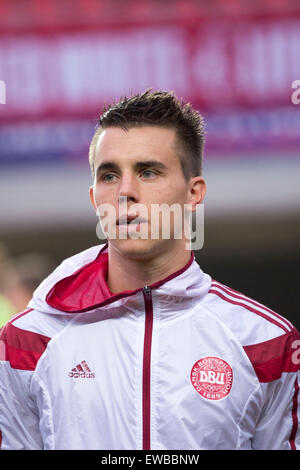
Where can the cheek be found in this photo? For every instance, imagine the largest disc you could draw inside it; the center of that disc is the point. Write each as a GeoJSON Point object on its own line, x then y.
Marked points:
{"type": "Point", "coordinates": [168, 189]}
{"type": "Point", "coordinates": [175, 193]}
{"type": "Point", "coordinates": [103, 195]}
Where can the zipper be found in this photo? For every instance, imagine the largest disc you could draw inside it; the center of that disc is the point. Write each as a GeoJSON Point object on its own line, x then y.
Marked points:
{"type": "Point", "coordinates": [147, 368]}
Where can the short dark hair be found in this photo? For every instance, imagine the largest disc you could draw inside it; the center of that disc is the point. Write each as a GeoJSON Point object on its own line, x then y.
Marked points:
{"type": "Point", "coordinates": [158, 108]}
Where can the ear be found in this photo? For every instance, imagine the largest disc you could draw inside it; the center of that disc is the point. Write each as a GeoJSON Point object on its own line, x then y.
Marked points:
{"type": "Point", "coordinates": [92, 198]}
{"type": "Point", "coordinates": [197, 191]}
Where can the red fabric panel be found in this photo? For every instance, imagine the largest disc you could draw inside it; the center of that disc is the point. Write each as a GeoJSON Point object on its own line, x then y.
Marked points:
{"type": "Point", "coordinates": [271, 358]}
{"type": "Point", "coordinates": [22, 348]}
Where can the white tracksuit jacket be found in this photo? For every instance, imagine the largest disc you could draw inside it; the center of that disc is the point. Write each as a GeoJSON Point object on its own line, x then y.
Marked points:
{"type": "Point", "coordinates": [186, 363]}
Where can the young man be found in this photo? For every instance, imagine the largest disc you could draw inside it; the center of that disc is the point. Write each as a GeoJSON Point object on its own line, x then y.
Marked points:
{"type": "Point", "coordinates": [130, 345]}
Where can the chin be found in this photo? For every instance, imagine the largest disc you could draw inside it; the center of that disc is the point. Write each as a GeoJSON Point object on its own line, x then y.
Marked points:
{"type": "Point", "coordinates": [137, 249]}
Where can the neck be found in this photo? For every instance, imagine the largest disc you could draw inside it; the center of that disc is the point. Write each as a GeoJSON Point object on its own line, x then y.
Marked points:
{"type": "Point", "coordinates": [127, 274]}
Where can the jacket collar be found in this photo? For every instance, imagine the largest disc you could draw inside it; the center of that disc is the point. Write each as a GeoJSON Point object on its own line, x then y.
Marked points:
{"type": "Point", "coordinates": [86, 288]}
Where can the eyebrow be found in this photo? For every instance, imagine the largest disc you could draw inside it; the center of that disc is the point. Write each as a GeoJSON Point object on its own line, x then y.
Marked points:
{"type": "Point", "coordinates": [137, 166]}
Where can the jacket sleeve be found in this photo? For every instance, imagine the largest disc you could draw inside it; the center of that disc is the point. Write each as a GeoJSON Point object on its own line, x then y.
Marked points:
{"type": "Point", "coordinates": [277, 428]}
{"type": "Point", "coordinates": [276, 363]}
{"type": "Point", "coordinates": [19, 418]}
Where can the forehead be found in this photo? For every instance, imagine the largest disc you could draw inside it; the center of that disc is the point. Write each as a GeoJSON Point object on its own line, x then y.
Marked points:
{"type": "Point", "coordinates": [130, 145]}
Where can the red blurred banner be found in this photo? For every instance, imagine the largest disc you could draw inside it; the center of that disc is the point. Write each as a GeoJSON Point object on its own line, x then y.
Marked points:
{"type": "Point", "coordinates": [238, 69]}
{"type": "Point", "coordinates": [216, 65]}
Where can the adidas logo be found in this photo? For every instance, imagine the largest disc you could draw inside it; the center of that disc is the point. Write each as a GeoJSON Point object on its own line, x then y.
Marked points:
{"type": "Point", "coordinates": [81, 371]}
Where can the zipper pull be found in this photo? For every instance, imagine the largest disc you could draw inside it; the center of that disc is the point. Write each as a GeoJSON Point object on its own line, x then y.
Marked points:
{"type": "Point", "coordinates": [147, 290]}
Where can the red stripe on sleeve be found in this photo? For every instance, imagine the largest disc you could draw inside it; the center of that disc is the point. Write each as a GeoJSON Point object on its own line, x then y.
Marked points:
{"type": "Point", "coordinates": [271, 358]}
{"type": "Point", "coordinates": [20, 315]}
{"type": "Point", "coordinates": [294, 416]}
{"type": "Point", "coordinates": [21, 348]}
{"type": "Point", "coordinates": [251, 309]}
{"type": "Point", "coordinates": [239, 295]}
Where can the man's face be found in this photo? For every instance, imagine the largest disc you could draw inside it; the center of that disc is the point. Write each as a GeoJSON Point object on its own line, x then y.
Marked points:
{"type": "Point", "coordinates": [136, 171]}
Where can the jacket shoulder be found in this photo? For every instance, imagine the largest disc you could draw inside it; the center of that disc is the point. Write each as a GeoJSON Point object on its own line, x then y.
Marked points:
{"type": "Point", "coordinates": [270, 341]}
{"type": "Point", "coordinates": [24, 338]}
{"type": "Point", "coordinates": [251, 321]}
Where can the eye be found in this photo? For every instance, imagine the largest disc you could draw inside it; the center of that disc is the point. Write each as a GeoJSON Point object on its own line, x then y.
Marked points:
{"type": "Point", "coordinates": [148, 173]}
{"type": "Point", "coordinates": [108, 177]}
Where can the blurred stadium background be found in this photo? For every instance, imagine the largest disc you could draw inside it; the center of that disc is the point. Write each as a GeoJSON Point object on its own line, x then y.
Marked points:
{"type": "Point", "coordinates": [234, 60]}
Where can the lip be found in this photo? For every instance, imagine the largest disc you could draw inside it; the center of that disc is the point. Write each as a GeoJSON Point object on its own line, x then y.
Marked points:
{"type": "Point", "coordinates": [128, 219]}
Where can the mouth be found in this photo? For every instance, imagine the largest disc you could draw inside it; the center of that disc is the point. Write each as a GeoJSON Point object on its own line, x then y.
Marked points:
{"type": "Point", "coordinates": [131, 219]}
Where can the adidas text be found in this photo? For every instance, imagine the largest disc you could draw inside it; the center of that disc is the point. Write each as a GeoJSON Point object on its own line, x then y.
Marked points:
{"type": "Point", "coordinates": [82, 375]}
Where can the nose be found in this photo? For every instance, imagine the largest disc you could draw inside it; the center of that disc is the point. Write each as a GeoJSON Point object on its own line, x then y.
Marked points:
{"type": "Point", "coordinates": [128, 189]}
